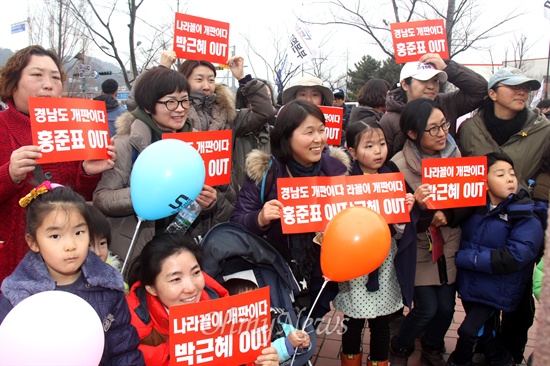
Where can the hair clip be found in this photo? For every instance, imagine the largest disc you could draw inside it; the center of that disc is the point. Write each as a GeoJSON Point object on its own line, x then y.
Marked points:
{"type": "Point", "coordinates": [35, 192]}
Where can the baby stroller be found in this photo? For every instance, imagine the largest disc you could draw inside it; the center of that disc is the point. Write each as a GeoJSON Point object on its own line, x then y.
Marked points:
{"type": "Point", "coordinates": [230, 248]}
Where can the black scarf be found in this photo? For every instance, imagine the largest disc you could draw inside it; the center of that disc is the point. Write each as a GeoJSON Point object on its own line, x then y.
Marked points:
{"type": "Point", "coordinates": [501, 129]}
{"type": "Point", "coordinates": [301, 245]}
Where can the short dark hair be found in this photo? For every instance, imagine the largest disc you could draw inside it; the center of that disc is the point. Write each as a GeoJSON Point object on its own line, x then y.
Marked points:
{"type": "Point", "coordinates": [545, 103]}
{"type": "Point", "coordinates": [148, 264]}
{"type": "Point", "coordinates": [357, 129]}
{"type": "Point", "coordinates": [187, 67]}
{"type": "Point", "coordinates": [415, 117]}
{"type": "Point", "coordinates": [10, 73]}
{"type": "Point", "coordinates": [98, 225]}
{"type": "Point", "coordinates": [155, 84]}
{"type": "Point", "coordinates": [289, 118]}
{"type": "Point", "coordinates": [493, 157]}
{"type": "Point", "coordinates": [237, 286]}
{"type": "Point", "coordinates": [109, 86]}
{"type": "Point", "coordinates": [64, 198]}
{"type": "Point", "coordinates": [373, 93]}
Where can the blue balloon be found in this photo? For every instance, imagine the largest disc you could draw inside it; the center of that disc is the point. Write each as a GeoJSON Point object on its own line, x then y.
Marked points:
{"type": "Point", "coordinates": [165, 177]}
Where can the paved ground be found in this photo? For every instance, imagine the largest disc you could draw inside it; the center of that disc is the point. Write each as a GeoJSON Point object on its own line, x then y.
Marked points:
{"type": "Point", "coordinates": [329, 343]}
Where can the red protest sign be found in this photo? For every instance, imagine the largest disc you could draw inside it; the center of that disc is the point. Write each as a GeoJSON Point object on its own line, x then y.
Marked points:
{"type": "Point", "coordinates": [69, 129]}
{"type": "Point", "coordinates": [455, 182]}
{"type": "Point", "coordinates": [235, 329]}
{"type": "Point", "coordinates": [413, 39]}
{"type": "Point", "coordinates": [333, 123]}
{"type": "Point", "coordinates": [310, 203]}
{"type": "Point", "coordinates": [198, 38]}
{"type": "Point", "coordinates": [215, 148]}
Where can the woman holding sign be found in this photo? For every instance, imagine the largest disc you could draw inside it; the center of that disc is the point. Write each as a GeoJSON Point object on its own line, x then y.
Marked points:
{"type": "Point", "coordinates": [297, 143]}
{"type": "Point", "coordinates": [427, 131]}
{"type": "Point", "coordinates": [214, 109]}
{"type": "Point", "coordinates": [32, 72]}
{"type": "Point", "coordinates": [163, 105]}
{"type": "Point", "coordinates": [168, 273]}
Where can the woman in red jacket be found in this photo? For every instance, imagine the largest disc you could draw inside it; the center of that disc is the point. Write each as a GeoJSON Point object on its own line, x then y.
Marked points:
{"type": "Point", "coordinates": [32, 72]}
{"type": "Point", "coordinates": [167, 273]}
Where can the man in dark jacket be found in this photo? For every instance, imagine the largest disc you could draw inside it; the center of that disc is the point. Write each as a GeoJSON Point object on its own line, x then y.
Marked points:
{"type": "Point", "coordinates": [109, 90]}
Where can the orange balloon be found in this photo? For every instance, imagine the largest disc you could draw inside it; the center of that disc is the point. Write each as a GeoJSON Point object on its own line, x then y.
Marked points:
{"type": "Point", "coordinates": [356, 242]}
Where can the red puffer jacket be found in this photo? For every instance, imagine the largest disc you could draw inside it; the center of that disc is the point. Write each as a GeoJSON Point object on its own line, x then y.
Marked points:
{"type": "Point", "coordinates": [151, 320]}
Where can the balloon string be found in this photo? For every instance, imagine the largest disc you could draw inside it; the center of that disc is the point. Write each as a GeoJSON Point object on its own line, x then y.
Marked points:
{"type": "Point", "coordinates": [308, 315]}
{"type": "Point", "coordinates": [126, 260]}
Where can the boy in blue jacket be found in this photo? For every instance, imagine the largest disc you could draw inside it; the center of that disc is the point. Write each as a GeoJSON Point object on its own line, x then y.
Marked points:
{"type": "Point", "coordinates": [499, 245]}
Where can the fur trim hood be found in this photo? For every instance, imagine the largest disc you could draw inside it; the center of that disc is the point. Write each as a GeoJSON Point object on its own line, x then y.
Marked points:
{"type": "Point", "coordinates": [31, 277]}
{"type": "Point", "coordinates": [123, 123]}
{"type": "Point", "coordinates": [214, 111]}
{"type": "Point", "coordinates": [257, 162]}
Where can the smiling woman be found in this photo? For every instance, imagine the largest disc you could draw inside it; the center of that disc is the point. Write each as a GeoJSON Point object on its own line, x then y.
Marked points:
{"type": "Point", "coordinates": [31, 72]}
{"type": "Point", "coordinates": [298, 148]}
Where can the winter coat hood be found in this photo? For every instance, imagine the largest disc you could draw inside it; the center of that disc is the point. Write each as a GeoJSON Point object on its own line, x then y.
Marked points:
{"type": "Point", "coordinates": [110, 102]}
{"type": "Point", "coordinates": [257, 162]}
{"type": "Point", "coordinates": [214, 111]}
{"type": "Point", "coordinates": [32, 277]}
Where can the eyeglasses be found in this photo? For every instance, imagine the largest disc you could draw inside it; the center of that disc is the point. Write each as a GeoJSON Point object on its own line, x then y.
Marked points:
{"type": "Point", "coordinates": [523, 87]}
{"type": "Point", "coordinates": [173, 104]}
{"type": "Point", "coordinates": [435, 129]}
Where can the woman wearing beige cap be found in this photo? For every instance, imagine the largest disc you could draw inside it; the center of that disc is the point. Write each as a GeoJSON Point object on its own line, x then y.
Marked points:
{"type": "Point", "coordinates": [421, 80]}
{"type": "Point", "coordinates": [309, 88]}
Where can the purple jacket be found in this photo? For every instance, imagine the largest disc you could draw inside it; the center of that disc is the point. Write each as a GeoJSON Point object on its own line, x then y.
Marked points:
{"type": "Point", "coordinates": [249, 203]}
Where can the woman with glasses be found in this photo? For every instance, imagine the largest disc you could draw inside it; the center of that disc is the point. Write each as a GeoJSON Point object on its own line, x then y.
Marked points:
{"type": "Point", "coordinates": [505, 123]}
{"type": "Point", "coordinates": [431, 285]}
{"type": "Point", "coordinates": [162, 98]}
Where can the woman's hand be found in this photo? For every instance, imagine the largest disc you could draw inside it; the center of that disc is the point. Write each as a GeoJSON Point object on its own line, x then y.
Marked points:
{"type": "Point", "coordinates": [236, 65]}
{"type": "Point", "coordinates": [167, 58]}
{"type": "Point", "coordinates": [22, 161]}
{"type": "Point", "coordinates": [269, 357]}
{"type": "Point", "coordinates": [434, 59]}
{"type": "Point", "coordinates": [439, 219]}
{"type": "Point", "coordinates": [409, 201]}
{"type": "Point", "coordinates": [299, 338]}
{"type": "Point", "coordinates": [270, 211]}
{"type": "Point", "coordinates": [207, 196]}
{"type": "Point", "coordinates": [422, 194]}
{"type": "Point", "coordinates": [92, 167]}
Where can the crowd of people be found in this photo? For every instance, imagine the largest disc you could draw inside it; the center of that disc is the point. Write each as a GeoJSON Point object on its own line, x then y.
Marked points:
{"type": "Point", "coordinates": [68, 226]}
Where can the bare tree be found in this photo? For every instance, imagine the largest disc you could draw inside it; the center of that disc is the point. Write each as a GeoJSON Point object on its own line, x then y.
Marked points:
{"type": "Point", "coordinates": [52, 24]}
{"type": "Point", "coordinates": [276, 64]}
{"type": "Point", "coordinates": [519, 48]}
{"type": "Point", "coordinates": [462, 20]}
{"type": "Point", "coordinates": [99, 30]}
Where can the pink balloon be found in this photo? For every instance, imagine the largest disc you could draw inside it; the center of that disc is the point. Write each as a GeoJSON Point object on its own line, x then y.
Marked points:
{"type": "Point", "coordinates": [52, 328]}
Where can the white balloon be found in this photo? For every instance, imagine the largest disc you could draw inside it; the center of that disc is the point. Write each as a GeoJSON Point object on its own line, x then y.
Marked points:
{"type": "Point", "coordinates": [52, 328]}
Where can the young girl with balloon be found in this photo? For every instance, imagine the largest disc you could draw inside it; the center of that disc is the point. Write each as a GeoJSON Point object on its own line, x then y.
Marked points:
{"type": "Point", "coordinates": [427, 132]}
{"type": "Point", "coordinates": [166, 273]}
{"type": "Point", "coordinates": [58, 236]}
{"type": "Point", "coordinates": [377, 295]}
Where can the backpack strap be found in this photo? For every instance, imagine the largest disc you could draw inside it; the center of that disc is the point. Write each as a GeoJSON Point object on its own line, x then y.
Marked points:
{"type": "Point", "coordinates": [264, 179]}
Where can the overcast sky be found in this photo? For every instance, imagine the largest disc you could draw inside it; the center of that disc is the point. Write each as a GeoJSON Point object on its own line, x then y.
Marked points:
{"type": "Point", "coordinates": [255, 18]}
